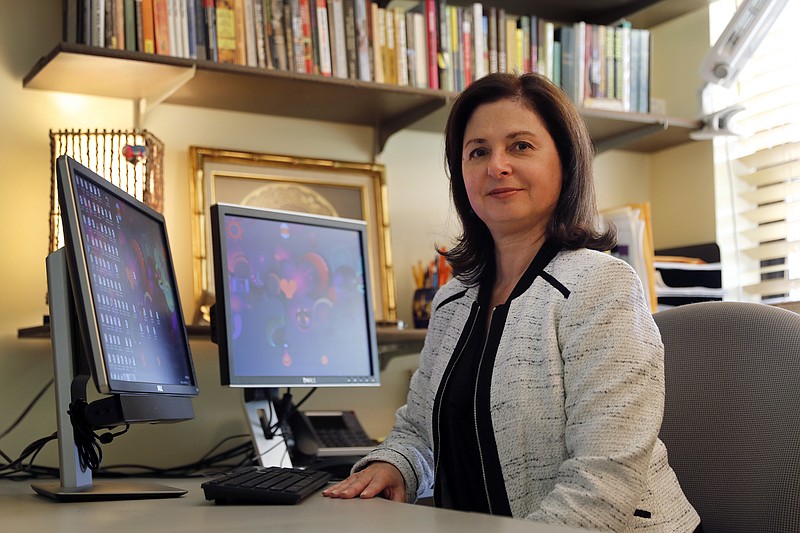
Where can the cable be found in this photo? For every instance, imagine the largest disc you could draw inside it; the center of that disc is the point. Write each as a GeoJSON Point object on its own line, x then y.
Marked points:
{"type": "Point", "coordinates": [27, 410]}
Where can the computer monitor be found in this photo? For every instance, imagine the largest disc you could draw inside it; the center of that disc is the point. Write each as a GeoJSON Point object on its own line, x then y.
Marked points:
{"type": "Point", "coordinates": [115, 315]}
{"type": "Point", "coordinates": [293, 309]}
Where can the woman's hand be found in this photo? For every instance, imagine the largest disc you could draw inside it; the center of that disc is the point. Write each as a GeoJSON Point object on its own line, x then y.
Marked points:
{"type": "Point", "coordinates": [377, 479]}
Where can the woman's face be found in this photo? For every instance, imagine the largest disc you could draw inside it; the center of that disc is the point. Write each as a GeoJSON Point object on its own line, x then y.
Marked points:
{"type": "Point", "coordinates": [511, 168]}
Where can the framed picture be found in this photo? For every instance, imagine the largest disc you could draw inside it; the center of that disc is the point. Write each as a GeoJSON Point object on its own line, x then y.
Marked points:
{"type": "Point", "coordinates": [333, 188]}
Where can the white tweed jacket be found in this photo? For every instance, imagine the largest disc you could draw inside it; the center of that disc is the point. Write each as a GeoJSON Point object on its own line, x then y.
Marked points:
{"type": "Point", "coordinates": [577, 400]}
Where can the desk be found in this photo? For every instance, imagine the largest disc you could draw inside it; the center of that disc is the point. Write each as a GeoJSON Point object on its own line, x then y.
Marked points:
{"type": "Point", "coordinates": [24, 510]}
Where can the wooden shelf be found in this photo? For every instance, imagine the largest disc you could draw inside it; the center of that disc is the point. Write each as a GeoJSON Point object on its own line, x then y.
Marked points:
{"type": "Point", "coordinates": [150, 79]}
{"type": "Point", "coordinates": [138, 76]}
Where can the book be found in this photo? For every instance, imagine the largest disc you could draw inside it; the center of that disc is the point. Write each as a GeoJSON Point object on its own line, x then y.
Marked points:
{"type": "Point", "coordinates": [502, 42]}
{"type": "Point", "coordinates": [226, 31]}
{"type": "Point", "coordinates": [362, 35]}
{"type": "Point", "coordinates": [148, 27]}
{"type": "Point", "coordinates": [128, 24]}
{"type": "Point", "coordinates": [411, 48]}
{"type": "Point", "coordinates": [211, 30]}
{"type": "Point", "coordinates": [324, 43]}
{"type": "Point", "coordinates": [478, 48]}
{"type": "Point", "coordinates": [378, 16]}
{"type": "Point", "coordinates": [467, 41]}
{"type": "Point", "coordinates": [421, 47]}
{"type": "Point", "coordinates": [137, 7]}
{"type": "Point", "coordinates": [259, 36]}
{"type": "Point", "coordinates": [173, 38]}
{"type": "Point", "coordinates": [350, 39]}
{"type": "Point", "coordinates": [400, 47]}
{"type": "Point", "coordinates": [98, 23]}
{"type": "Point", "coordinates": [389, 52]}
{"type": "Point", "coordinates": [305, 61]}
{"type": "Point", "coordinates": [278, 36]}
{"type": "Point", "coordinates": [445, 42]}
{"type": "Point", "coordinates": [161, 27]}
{"type": "Point", "coordinates": [191, 28]}
{"type": "Point", "coordinates": [200, 37]}
{"type": "Point", "coordinates": [432, 42]}
{"type": "Point", "coordinates": [242, 20]}
{"type": "Point", "coordinates": [493, 43]}
{"type": "Point", "coordinates": [338, 38]}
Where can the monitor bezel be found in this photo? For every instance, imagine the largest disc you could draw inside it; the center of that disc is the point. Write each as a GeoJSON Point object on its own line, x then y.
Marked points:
{"type": "Point", "coordinates": [68, 169]}
{"type": "Point", "coordinates": [219, 212]}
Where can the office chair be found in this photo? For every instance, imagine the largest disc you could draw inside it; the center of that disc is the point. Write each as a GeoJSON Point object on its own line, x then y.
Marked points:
{"type": "Point", "coordinates": [732, 413]}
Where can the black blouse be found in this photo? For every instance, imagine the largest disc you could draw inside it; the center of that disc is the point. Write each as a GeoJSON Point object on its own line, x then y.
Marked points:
{"type": "Point", "coordinates": [468, 474]}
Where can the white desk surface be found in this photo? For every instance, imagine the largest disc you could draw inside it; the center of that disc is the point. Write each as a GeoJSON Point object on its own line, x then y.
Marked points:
{"type": "Point", "coordinates": [25, 511]}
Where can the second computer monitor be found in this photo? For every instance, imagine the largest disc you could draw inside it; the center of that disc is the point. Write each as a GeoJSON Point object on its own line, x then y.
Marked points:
{"type": "Point", "coordinates": [294, 301]}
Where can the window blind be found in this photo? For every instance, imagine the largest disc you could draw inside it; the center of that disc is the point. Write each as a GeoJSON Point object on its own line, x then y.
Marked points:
{"type": "Point", "coordinates": [765, 164]}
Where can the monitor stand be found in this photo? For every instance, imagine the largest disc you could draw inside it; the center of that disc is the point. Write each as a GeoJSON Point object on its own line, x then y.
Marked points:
{"type": "Point", "coordinates": [262, 420]}
{"type": "Point", "coordinates": [70, 378]}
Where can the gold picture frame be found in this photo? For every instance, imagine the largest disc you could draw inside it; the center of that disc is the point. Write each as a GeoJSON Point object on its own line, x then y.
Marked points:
{"type": "Point", "coordinates": [338, 188]}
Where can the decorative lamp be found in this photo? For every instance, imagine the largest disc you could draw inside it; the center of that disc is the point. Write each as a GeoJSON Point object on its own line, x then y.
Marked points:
{"type": "Point", "coordinates": [131, 160]}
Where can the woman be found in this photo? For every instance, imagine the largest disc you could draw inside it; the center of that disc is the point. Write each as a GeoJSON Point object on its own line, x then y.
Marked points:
{"type": "Point", "coordinates": [540, 389]}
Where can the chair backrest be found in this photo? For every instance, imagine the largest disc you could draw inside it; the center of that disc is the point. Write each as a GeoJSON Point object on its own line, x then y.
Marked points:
{"type": "Point", "coordinates": [732, 413]}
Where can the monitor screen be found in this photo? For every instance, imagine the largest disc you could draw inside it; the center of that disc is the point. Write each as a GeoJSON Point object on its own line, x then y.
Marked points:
{"type": "Point", "coordinates": [123, 282]}
{"type": "Point", "coordinates": [294, 304]}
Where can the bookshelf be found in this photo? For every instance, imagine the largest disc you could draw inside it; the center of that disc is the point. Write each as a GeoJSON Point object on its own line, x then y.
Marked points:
{"type": "Point", "coordinates": [148, 80]}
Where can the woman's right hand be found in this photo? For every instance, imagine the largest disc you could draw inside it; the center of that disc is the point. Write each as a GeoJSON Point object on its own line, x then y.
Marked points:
{"type": "Point", "coordinates": [377, 479]}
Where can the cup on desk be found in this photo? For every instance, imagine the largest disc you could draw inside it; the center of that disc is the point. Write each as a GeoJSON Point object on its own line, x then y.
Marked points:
{"type": "Point", "coordinates": [422, 306]}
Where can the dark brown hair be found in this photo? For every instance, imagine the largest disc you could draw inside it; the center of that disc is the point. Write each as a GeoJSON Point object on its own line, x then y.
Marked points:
{"type": "Point", "coordinates": [575, 222]}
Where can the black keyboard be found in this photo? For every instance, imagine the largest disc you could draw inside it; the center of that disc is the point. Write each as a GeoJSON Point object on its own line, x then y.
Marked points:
{"type": "Point", "coordinates": [273, 484]}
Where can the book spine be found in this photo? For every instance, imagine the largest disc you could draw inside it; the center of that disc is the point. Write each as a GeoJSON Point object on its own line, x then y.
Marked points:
{"type": "Point", "coordinates": [288, 30]}
{"type": "Point", "coordinates": [401, 47]}
{"type": "Point", "coordinates": [350, 38]}
{"type": "Point", "coordinates": [259, 35]}
{"type": "Point", "coordinates": [200, 37]}
{"type": "Point", "coordinates": [226, 31]}
{"type": "Point", "coordinates": [172, 30]}
{"type": "Point", "coordinates": [324, 44]}
{"type": "Point", "coordinates": [278, 36]}
{"type": "Point", "coordinates": [148, 27]}
{"type": "Point", "coordinates": [420, 35]}
{"type": "Point", "coordinates": [190, 39]}
{"type": "Point", "coordinates": [338, 38]}
{"type": "Point", "coordinates": [443, 40]}
{"type": "Point", "coordinates": [411, 48]}
{"type": "Point", "coordinates": [161, 27]}
{"type": "Point", "coordinates": [129, 25]}
{"type": "Point", "coordinates": [431, 43]}
{"type": "Point", "coordinates": [502, 41]}
{"type": "Point", "coordinates": [466, 46]}
{"type": "Point", "coordinates": [389, 59]}
{"type": "Point", "coordinates": [98, 23]}
{"type": "Point", "coordinates": [137, 6]}
{"type": "Point", "coordinates": [479, 68]}
{"type": "Point", "coordinates": [211, 29]}
{"type": "Point", "coordinates": [379, 46]}
{"type": "Point", "coordinates": [307, 50]}
{"type": "Point", "coordinates": [363, 41]}
{"type": "Point", "coordinates": [493, 40]}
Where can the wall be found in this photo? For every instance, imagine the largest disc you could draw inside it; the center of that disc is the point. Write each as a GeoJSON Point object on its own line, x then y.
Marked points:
{"type": "Point", "coordinates": [682, 178]}
{"type": "Point", "coordinates": [418, 209]}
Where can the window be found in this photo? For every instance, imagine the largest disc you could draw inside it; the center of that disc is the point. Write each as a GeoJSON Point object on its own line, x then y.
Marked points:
{"type": "Point", "coordinates": [759, 172]}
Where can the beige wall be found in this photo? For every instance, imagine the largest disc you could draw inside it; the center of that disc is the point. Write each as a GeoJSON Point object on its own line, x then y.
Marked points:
{"type": "Point", "coordinates": [419, 214]}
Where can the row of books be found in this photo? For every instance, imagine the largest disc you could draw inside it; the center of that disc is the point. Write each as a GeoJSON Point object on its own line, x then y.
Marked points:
{"type": "Point", "coordinates": [429, 44]}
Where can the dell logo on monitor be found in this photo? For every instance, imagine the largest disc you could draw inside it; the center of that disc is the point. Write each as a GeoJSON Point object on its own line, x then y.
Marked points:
{"type": "Point", "coordinates": [159, 388]}
{"type": "Point", "coordinates": [309, 381]}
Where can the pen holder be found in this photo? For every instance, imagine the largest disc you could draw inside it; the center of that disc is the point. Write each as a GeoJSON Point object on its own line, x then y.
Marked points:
{"type": "Point", "coordinates": [422, 306]}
